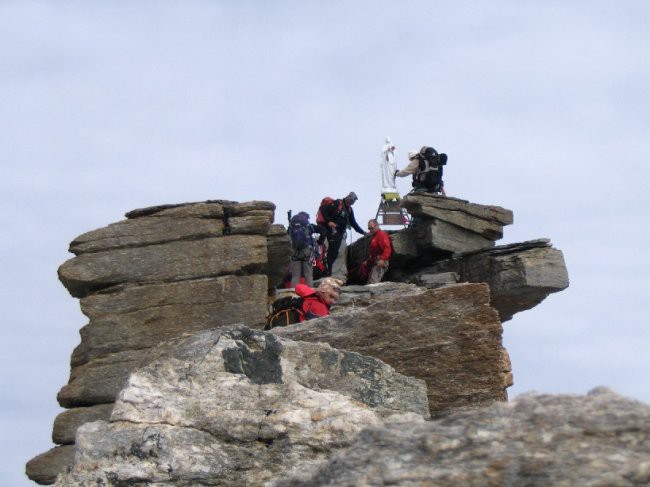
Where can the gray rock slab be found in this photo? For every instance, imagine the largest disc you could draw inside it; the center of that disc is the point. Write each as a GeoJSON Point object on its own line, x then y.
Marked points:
{"type": "Point", "coordinates": [601, 439]}
{"type": "Point", "coordinates": [450, 337]}
{"type": "Point", "coordinates": [365, 295]}
{"type": "Point", "coordinates": [279, 248]}
{"type": "Point", "coordinates": [249, 207]}
{"type": "Point", "coordinates": [173, 261]}
{"type": "Point", "coordinates": [44, 468]}
{"type": "Point", "coordinates": [520, 276]}
{"type": "Point", "coordinates": [66, 423]}
{"type": "Point", "coordinates": [205, 209]}
{"type": "Point", "coordinates": [434, 280]}
{"type": "Point", "coordinates": [239, 407]}
{"type": "Point", "coordinates": [132, 317]}
{"type": "Point", "coordinates": [257, 224]}
{"type": "Point", "coordinates": [98, 381]}
{"type": "Point", "coordinates": [140, 232]}
{"type": "Point", "coordinates": [435, 206]}
{"type": "Point", "coordinates": [438, 235]}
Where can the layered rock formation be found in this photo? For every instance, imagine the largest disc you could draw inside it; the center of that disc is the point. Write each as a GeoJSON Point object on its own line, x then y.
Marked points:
{"type": "Point", "coordinates": [450, 337]}
{"type": "Point", "coordinates": [162, 272]}
{"type": "Point", "coordinates": [172, 270]}
{"type": "Point", "coordinates": [536, 440]}
{"type": "Point", "coordinates": [453, 240]}
{"type": "Point", "coordinates": [239, 407]}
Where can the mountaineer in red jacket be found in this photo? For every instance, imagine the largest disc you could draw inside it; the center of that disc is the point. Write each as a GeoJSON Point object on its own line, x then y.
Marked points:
{"type": "Point", "coordinates": [317, 303]}
{"type": "Point", "coordinates": [379, 253]}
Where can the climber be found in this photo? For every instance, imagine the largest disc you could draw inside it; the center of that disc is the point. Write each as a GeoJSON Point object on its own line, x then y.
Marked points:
{"type": "Point", "coordinates": [337, 216]}
{"type": "Point", "coordinates": [317, 303]}
{"type": "Point", "coordinates": [303, 247]}
{"type": "Point", "coordinates": [379, 251]}
{"type": "Point", "coordinates": [426, 167]}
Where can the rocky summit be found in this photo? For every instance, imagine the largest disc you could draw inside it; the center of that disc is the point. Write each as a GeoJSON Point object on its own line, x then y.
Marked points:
{"type": "Point", "coordinates": [241, 407]}
{"type": "Point", "coordinates": [405, 383]}
{"type": "Point", "coordinates": [600, 439]}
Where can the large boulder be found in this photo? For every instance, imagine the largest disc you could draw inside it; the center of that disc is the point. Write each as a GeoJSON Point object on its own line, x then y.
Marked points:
{"type": "Point", "coordinates": [44, 468]}
{"type": "Point", "coordinates": [485, 220]}
{"type": "Point", "coordinates": [135, 317]}
{"type": "Point", "coordinates": [66, 423]}
{"type": "Point", "coordinates": [520, 275]}
{"type": "Point", "coordinates": [441, 227]}
{"type": "Point", "coordinates": [171, 261]}
{"type": "Point", "coordinates": [141, 232]}
{"type": "Point", "coordinates": [164, 271]}
{"type": "Point", "coordinates": [450, 337]}
{"type": "Point", "coordinates": [239, 407]}
{"type": "Point", "coordinates": [537, 440]}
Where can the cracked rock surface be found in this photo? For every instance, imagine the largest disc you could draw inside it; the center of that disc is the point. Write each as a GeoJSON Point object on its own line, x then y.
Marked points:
{"type": "Point", "coordinates": [601, 439]}
{"type": "Point", "coordinates": [240, 407]}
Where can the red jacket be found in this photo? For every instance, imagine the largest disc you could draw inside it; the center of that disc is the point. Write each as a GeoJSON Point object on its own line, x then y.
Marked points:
{"type": "Point", "coordinates": [379, 247]}
{"type": "Point", "coordinates": [312, 304]}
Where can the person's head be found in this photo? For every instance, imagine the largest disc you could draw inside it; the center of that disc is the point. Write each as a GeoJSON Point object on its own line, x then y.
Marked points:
{"type": "Point", "coordinates": [351, 198]}
{"type": "Point", "coordinates": [413, 154]}
{"type": "Point", "coordinates": [329, 289]}
{"type": "Point", "coordinates": [373, 226]}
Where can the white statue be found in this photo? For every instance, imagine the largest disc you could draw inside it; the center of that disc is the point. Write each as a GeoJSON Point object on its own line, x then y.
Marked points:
{"type": "Point", "coordinates": [388, 168]}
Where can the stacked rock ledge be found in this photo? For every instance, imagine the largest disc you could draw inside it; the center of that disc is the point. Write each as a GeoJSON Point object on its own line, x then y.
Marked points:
{"type": "Point", "coordinates": [163, 272]}
{"type": "Point", "coordinates": [259, 407]}
{"type": "Point", "coordinates": [239, 407]}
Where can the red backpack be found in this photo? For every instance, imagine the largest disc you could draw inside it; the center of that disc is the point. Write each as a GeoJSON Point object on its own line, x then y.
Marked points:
{"type": "Point", "coordinates": [327, 201]}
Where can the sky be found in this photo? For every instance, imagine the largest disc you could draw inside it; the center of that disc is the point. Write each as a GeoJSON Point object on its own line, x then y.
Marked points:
{"type": "Point", "coordinates": [543, 108]}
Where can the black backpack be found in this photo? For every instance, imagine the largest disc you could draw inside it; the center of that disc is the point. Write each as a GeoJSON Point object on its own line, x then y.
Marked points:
{"type": "Point", "coordinates": [300, 232]}
{"type": "Point", "coordinates": [284, 311]}
{"type": "Point", "coordinates": [429, 173]}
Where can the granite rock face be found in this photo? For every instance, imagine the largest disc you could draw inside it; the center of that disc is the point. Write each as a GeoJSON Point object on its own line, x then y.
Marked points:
{"type": "Point", "coordinates": [537, 440]}
{"type": "Point", "coordinates": [172, 270]}
{"type": "Point", "coordinates": [66, 423]}
{"type": "Point", "coordinates": [441, 227]}
{"type": "Point", "coordinates": [450, 337]}
{"type": "Point", "coordinates": [239, 407]}
{"type": "Point", "coordinates": [520, 276]}
{"type": "Point", "coordinates": [484, 220]}
{"type": "Point", "coordinates": [452, 240]}
{"type": "Point", "coordinates": [121, 319]}
{"type": "Point", "coordinates": [163, 272]}
{"type": "Point", "coordinates": [171, 261]}
{"type": "Point", "coordinates": [44, 468]}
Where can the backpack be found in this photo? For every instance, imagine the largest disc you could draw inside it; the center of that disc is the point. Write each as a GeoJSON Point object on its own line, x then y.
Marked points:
{"type": "Point", "coordinates": [320, 262]}
{"type": "Point", "coordinates": [285, 311]}
{"type": "Point", "coordinates": [300, 233]}
{"type": "Point", "coordinates": [325, 202]}
{"type": "Point", "coordinates": [429, 172]}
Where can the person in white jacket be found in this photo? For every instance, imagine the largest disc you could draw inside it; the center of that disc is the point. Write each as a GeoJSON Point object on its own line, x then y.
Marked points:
{"type": "Point", "coordinates": [413, 168]}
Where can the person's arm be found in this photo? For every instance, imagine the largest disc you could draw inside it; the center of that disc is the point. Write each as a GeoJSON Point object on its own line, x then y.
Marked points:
{"type": "Point", "coordinates": [303, 290]}
{"type": "Point", "coordinates": [386, 249]}
{"type": "Point", "coordinates": [410, 169]}
{"type": "Point", "coordinates": [353, 222]}
{"type": "Point", "coordinates": [314, 308]}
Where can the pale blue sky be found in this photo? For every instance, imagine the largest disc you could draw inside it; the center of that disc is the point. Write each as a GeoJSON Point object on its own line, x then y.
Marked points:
{"type": "Point", "coordinates": [543, 108]}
